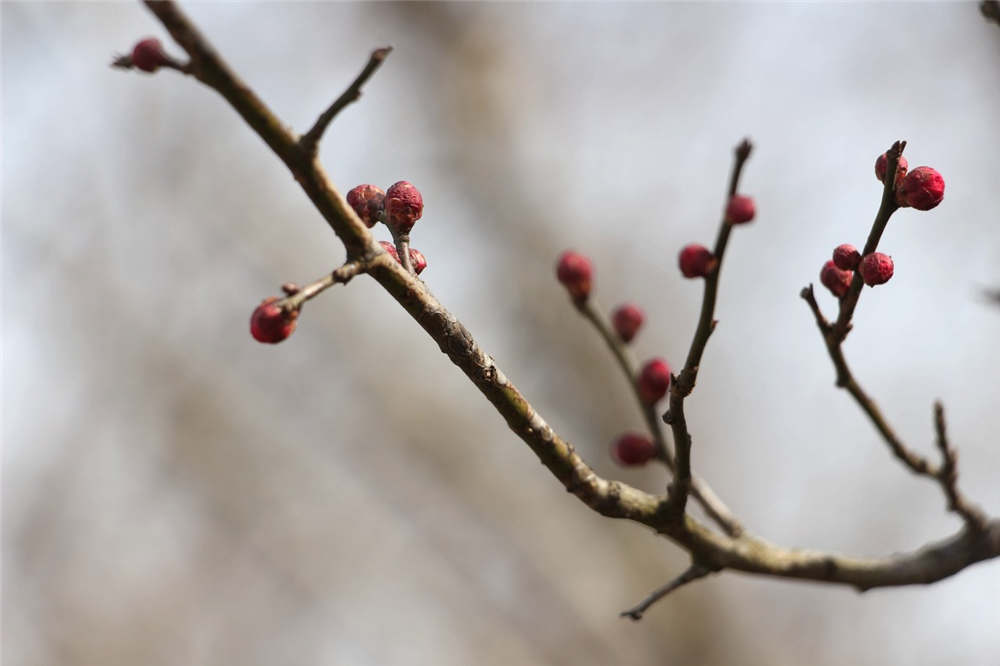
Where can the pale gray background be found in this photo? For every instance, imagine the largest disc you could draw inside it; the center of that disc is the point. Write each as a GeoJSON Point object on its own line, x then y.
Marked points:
{"type": "Point", "coordinates": [175, 493]}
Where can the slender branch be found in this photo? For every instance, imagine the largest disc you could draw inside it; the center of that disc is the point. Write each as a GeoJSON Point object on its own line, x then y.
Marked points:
{"type": "Point", "coordinates": [947, 475]}
{"type": "Point", "coordinates": [402, 242]}
{"type": "Point", "coordinates": [990, 10]}
{"type": "Point", "coordinates": [693, 573]}
{"type": "Point", "coordinates": [714, 507]}
{"type": "Point", "coordinates": [886, 208]}
{"type": "Point", "coordinates": [297, 296]}
{"type": "Point", "coordinates": [684, 383]}
{"type": "Point", "coordinates": [310, 140]}
{"type": "Point", "coordinates": [609, 498]}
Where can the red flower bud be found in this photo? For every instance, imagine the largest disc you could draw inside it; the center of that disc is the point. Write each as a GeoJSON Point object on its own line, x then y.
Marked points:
{"type": "Point", "coordinates": [846, 257]}
{"type": "Point", "coordinates": [876, 268]}
{"type": "Point", "coordinates": [418, 260]}
{"type": "Point", "coordinates": [270, 323]}
{"type": "Point", "coordinates": [696, 261]}
{"type": "Point", "coordinates": [882, 163]}
{"type": "Point", "coordinates": [403, 207]}
{"type": "Point", "coordinates": [922, 188]}
{"type": "Point", "coordinates": [654, 380]}
{"type": "Point", "coordinates": [367, 201]}
{"type": "Point", "coordinates": [740, 209]}
{"type": "Point", "coordinates": [575, 273]}
{"type": "Point", "coordinates": [632, 449]}
{"type": "Point", "coordinates": [835, 279]}
{"type": "Point", "coordinates": [627, 319]}
{"type": "Point", "coordinates": [391, 249]}
{"type": "Point", "coordinates": [148, 55]}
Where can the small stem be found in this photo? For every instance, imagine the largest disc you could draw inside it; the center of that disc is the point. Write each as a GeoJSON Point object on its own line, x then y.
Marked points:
{"type": "Point", "coordinates": [693, 573]}
{"type": "Point", "coordinates": [341, 275]}
{"type": "Point", "coordinates": [402, 242]}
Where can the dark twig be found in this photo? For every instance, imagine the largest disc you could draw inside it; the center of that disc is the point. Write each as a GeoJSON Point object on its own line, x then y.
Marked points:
{"type": "Point", "coordinates": [713, 505]}
{"type": "Point", "coordinates": [693, 573]}
{"type": "Point", "coordinates": [947, 475]}
{"type": "Point", "coordinates": [990, 10]}
{"type": "Point", "coordinates": [341, 275]}
{"type": "Point", "coordinates": [310, 140]}
{"type": "Point", "coordinates": [684, 383]}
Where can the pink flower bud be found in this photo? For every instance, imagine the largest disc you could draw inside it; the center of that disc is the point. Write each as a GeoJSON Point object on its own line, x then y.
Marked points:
{"type": "Point", "coordinates": [148, 55]}
{"type": "Point", "coordinates": [403, 207]}
{"type": "Point", "coordinates": [846, 257]}
{"type": "Point", "coordinates": [418, 260]}
{"type": "Point", "coordinates": [922, 188]}
{"type": "Point", "coordinates": [654, 380]}
{"type": "Point", "coordinates": [632, 450]}
{"type": "Point", "coordinates": [391, 249]}
{"type": "Point", "coordinates": [575, 273]}
{"type": "Point", "coordinates": [627, 319]}
{"type": "Point", "coordinates": [882, 163]}
{"type": "Point", "coordinates": [269, 323]}
{"type": "Point", "coordinates": [876, 268]}
{"type": "Point", "coordinates": [367, 201]}
{"type": "Point", "coordinates": [741, 209]}
{"type": "Point", "coordinates": [696, 261]}
{"type": "Point", "coordinates": [835, 279]}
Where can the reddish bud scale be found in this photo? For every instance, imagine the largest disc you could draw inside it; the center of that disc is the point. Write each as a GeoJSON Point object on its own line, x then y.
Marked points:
{"type": "Point", "coordinates": [654, 380]}
{"type": "Point", "coordinates": [575, 272]}
{"type": "Point", "coordinates": [627, 319]}
{"type": "Point", "coordinates": [417, 258]}
{"type": "Point", "coordinates": [835, 279]}
{"type": "Point", "coordinates": [922, 188]}
{"type": "Point", "coordinates": [741, 209]}
{"type": "Point", "coordinates": [270, 323]}
{"type": "Point", "coordinates": [368, 202]}
{"type": "Point", "coordinates": [846, 257]}
{"type": "Point", "coordinates": [632, 449]}
{"type": "Point", "coordinates": [876, 268]}
{"type": "Point", "coordinates": [882, 163]}
{"type": "Point", "coordinates": [696, 261]}
{"type": "Point", "coordinates": [403, 207]}
{"type": "Point", "coordinates": [148, 55]}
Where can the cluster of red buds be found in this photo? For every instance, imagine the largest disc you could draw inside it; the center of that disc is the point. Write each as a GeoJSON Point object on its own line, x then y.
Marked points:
{"type": "Point", "coordinates": [696, 260]}
{"type": "Point", "coordinates": [398, 208]}
{"type": "Point", "coordinates": [922, 189]}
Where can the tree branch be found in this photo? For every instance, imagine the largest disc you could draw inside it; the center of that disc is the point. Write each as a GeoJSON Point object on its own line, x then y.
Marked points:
{"type": "Point", "coordinates": [609, 498]}
{"type": "Point", "coordinates": [684, 383]}
{"type": "Point", "coordinates": [947, 475]}
{"type": "Point", "coordinates": [310, 140]}
{"type": "Point", "coordinates": [693, 573]}
{"type": "Point", "coordinates": [713, 505]}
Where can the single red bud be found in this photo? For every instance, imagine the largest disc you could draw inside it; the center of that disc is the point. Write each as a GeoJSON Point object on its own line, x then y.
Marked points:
{"type": "Point", "coordinates": [696, 261]}
{"type": "Point", "coordinates": [270, 323]}
{"type": "Point", "coordinates": [846, 257]}
{"type": "Point", "coordinates": [367, 201]}
{"type": "Point", "coordinates": [876, 268]}
{"type": "Point", "coordinates": [882, 163]}
{"type": "Point", "coordinates": [403, 207]}
{"type": "Point", "coordinates": [148, 55]}
{"type": "Point", "coordinates": [922, 188]}
{"type": "Point", "coordinates": [391, 249]}
{"type": "Point", "coordinates": [741, 209]}
{"type": "Point", "coordinates": [418, 260]}
{"type": "Point", "coordinates": [835, 279]}
{"type": "Point", "coordinates": [632, 450]}
{"type": "Point", "coordinates": [575, 273]}
{"type": "Point", "coordinates": [654, 380]}
{"type": "Point", "coordinates": [627, 319]}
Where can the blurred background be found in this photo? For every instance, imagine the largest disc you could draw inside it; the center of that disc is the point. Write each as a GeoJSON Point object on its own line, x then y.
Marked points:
{"type": "Point", "coordinates": [175, 493]}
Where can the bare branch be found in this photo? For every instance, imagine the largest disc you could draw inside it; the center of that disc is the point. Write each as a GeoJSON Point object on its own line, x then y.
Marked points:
{"type": "Point", "coordinates": [990, 10]}
{"type": "Point", "coordinates": [947, 475]}
{"type": "Point", "coordinates": [310, 140]}
{"type": "Point", "coordinates": [297, 296]}
{"type": "Point", "coordinates": [693, 573]}
{"type": "Point", "coordinates": [714, 507]}
{"type": "Point", "coordinates": [609, 498]}
{"type": "Point", "coordinates": [684, 383]}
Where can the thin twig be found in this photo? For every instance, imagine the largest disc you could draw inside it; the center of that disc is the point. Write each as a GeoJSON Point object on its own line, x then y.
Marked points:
{"type": "Point", "coordinates": [990, 10]}
{"type": "Point", "coordinates": [402, 242]}
{"type": "Point", "coordinates": [341, 275]}
{"type": "Point", "coordinates": [684, 383]}
{"type": "Point", "coordinates": [713, 505]}
{"type": "Point", "coordinates": [310, 140]}
{"type": "Point", "coordinates": [947, 475]}
{"type": "Point", "coordinates": [693, 573]}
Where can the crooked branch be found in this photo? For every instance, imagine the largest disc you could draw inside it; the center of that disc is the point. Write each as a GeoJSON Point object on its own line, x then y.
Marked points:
{"type": "Point", "coordinates": [692, 573]}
